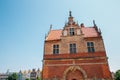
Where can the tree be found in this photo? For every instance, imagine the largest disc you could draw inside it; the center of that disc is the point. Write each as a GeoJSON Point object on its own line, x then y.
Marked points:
{"type": "Point", "coordinates": [38, 78]}
{"type": "Point", "coordinates": [117, 75]}
{"type": "Point", "coordinates": [27, 79]}
{"type": "Point", "coordinates": [13, 76]}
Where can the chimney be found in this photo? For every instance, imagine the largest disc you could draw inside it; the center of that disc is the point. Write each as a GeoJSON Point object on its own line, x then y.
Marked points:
{"type": "Point", "coordinates": [82, 25]}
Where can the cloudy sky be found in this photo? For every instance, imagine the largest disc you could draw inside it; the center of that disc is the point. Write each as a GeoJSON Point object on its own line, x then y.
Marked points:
{"type": "Point", "coordinates": [24, 23]}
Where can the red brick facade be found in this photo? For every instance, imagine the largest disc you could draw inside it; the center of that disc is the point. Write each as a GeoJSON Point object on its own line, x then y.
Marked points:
{"type": "Point", "coordinates": [78, 54]}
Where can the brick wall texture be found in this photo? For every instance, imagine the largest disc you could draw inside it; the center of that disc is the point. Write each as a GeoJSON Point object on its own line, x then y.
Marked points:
{"type": "Point", "coordinates": [81, 65]}
{"type": "Point", "coordinates": [94, 65]}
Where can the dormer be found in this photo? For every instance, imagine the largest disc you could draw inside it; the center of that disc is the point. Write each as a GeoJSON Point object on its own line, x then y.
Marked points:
{"type": "Point", "coordinates": [71, 28]}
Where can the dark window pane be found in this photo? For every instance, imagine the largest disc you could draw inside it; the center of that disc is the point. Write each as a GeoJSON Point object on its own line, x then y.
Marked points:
{"type": "Point", "coordinates": [53, 46]}
{"type": "Point", "coordinates": [92, 44]}
{"type": "Point", "coordinates": [55, 49]}
{"type": "Point", "coordinates": [74, 45]}
{"type": "Point", "coordinates": [88, 43]}
{"type": "Point", "coordinates": [57, 46]}
{"type": "Point", "coordinates": [72, 48]}
{"type": "Point", "coordinates": [92, 49]}
{"type": "Point", "coordinates": [89, 49]}
{"type": "Point", "coordinates": [71, 31]}
{"type": "Point", "coordinates": [70, 45]}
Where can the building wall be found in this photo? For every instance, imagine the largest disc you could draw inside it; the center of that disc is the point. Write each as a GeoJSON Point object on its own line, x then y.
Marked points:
{"type": "Point", "coordinates": [55, 65]}
{"type": "Point", "coordinates": [81, 44]}
{"type": "Point", "coordinates": [95, 64]}
{"type": "Point", "coordinates": [84, 65]}
{"type": "Point", "coordinates": [93, 67]}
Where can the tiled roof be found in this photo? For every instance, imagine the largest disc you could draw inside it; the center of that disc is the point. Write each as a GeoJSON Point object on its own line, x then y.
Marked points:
{"type": "Point", "coordinates": [87, 31]}
{"type": "Point", "coordinates": [54, 35]}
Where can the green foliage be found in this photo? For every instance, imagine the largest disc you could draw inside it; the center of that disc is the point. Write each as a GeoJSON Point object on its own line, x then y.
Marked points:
{"type": "Point", "coordinates": [13, 76]}
{"type": "Point", "coordinates": [117, 75]}
{"type": "Point", "coordinates": [27, 79]}
{"type": "Point", "coordinates": [38, 78]}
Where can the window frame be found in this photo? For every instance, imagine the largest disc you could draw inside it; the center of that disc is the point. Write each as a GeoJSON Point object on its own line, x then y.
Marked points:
{"type": "Point", "coordinates": [90, 47]}
{"type": "Point", "coordinates": [72, 31]}
{"type": "Point", "coordinates": [55, 48]}
{"type": "Point", "coordinates": [72, 48]}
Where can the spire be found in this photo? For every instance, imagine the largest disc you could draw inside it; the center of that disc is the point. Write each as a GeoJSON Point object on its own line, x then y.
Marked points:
{"type": "Point", "coordinates": [70, 13]}
{"type": "Point", "coordinates": [100, 31]}
{"type": "Point", "coordinates": [94, 23]}
{"type": "Point", "coordinates": [77, 23]}
{"type": "Point", "coordinates": [51, 27]}
{"type": "Point", "coordinates": [70, 18]}
{"type": "Point", "coordinates": [65, 24]}
{"type": "Point", "coordinates": [45, 36]}
{"type": "Point", "coordinates": [95, 26]}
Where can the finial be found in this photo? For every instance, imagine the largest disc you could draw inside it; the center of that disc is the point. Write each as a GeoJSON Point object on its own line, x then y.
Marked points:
{"type": "Point", "coordinates": [94, 23]}
{"type": "Point", "coordinates": [100, 31]}
{"type": "Point", "coordinates": [95, 26]}
{"type": "Point", "coordinates": [45, 36]}
{"type": "Point", "coordinates": [77, 23]}
{"type": "Point", "coordinates": [70, 13]}
{"type": "Point", "coordinates": [51, 27]}
{"type": "Point", "coordinates": [65, 24]}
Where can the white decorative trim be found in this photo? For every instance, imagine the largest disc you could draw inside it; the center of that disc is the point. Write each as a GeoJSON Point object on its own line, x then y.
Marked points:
{"type": "Point", "coordinates": [73, 64]}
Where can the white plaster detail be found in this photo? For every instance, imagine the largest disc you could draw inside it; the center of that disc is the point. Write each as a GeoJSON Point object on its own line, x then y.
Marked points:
{"type": "Point", "coordinates": [78, 32]}
{"type": "Point", "coordinates": [65, 32]}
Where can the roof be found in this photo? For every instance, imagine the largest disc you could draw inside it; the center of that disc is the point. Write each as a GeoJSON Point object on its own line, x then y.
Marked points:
{"type": "Point", "coordinates": [87, 31]}
{"type": "Point", "coordinates": [54, 35]}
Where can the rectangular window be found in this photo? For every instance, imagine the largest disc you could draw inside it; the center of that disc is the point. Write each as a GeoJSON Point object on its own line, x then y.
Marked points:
{"type": "Point", "coordinates": [56, 49]}
{"type": "Point", "coordinates": [72, 48]}
{"type": "Point", "coordinates": [90, 46]}
{"type": "Point", "coordinates": [72, 31]}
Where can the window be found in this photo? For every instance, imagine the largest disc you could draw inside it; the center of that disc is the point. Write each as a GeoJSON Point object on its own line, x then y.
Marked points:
{"type": "Point", "coordinates": [72, 31]}
{"type": "Point", "coordinates": [55, 49]}
{"type": "Point", "coordinates": [73, 48]}
{"type": "Point", "coordinates": [90, 46]}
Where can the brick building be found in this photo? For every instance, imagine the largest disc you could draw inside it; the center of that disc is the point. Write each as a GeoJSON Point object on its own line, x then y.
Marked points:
{"type": "Point", "coordinates": [75, 52]}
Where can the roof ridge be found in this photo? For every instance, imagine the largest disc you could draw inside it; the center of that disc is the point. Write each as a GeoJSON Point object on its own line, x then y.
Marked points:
{"type": "Point", "coordinates": [56, 30]}
{"type": "Point", "coordinates": [88, 27]}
